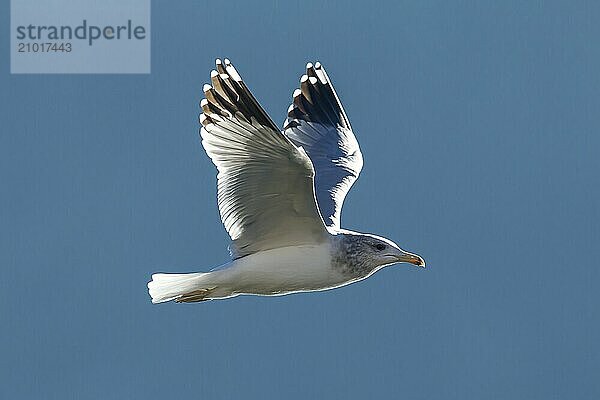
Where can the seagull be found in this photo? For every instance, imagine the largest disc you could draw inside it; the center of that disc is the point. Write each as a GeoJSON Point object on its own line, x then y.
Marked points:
{"type": "Point", "coordinates": [280, 195]}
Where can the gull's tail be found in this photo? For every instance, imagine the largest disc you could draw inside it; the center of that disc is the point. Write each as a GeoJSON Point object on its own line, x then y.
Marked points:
{"type": "Point", "coordinates": [180, 287]}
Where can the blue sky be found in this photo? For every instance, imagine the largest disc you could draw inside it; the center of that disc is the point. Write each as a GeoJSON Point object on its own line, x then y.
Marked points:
{"type": "Point", "coordinates": [478, 122]}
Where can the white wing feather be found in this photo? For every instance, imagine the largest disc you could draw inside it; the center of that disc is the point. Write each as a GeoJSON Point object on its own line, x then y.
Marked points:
{"type": "Point", "coordinates": [265, 183]}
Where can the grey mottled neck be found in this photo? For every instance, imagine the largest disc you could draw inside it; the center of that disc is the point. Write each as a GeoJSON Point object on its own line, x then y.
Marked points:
{"type": "Point", "coordinates": [348, 257]}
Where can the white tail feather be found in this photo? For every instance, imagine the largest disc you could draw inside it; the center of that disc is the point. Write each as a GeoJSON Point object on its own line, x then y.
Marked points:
{"type": "Point", "coordinates": [167, 287]}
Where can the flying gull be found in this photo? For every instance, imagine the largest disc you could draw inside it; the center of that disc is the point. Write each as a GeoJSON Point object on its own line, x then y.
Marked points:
{"type": "Point", "coordinates": [280, 195]}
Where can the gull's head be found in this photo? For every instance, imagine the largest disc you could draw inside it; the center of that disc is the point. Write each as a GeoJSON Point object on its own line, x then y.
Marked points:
{"type": "Point", "coordinates": [380, 251]}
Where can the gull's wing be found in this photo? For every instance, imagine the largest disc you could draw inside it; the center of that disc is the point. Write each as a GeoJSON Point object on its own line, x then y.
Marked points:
{"type": "Point", "coordinates": [265, 183]}
{"type": "Point", "coordinates": [317, 122]}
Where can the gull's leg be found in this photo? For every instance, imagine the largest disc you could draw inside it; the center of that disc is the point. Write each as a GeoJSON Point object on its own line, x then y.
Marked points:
{"type": "Point", "coordinates": [195, 296]}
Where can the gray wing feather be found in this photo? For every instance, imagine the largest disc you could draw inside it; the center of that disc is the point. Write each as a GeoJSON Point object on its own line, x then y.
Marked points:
{"type": "Point", "coordinates": [317, 122]}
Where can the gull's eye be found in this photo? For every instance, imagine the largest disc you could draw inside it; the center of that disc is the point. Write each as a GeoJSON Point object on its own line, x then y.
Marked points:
{"type": "Point", "coordinates": [380, 246]}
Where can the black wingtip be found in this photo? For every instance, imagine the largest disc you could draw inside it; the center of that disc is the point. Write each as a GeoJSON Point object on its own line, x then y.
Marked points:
{"type": "Point", "coordinates": [228, 95]}
{"type": "Point", "coordinates": [316, 100]}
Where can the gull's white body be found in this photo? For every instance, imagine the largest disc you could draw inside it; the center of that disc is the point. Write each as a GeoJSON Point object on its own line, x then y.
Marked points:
{"type": "Point", "coordinates": [283, 270]}
{"type": "Point", "coordinates": [273, 272]}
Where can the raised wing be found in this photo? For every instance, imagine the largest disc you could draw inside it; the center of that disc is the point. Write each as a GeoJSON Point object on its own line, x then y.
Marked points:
{"type": "Point", "coordinates": [317, 122]}
{"type": "Point", "coordinates": [265, 183]}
